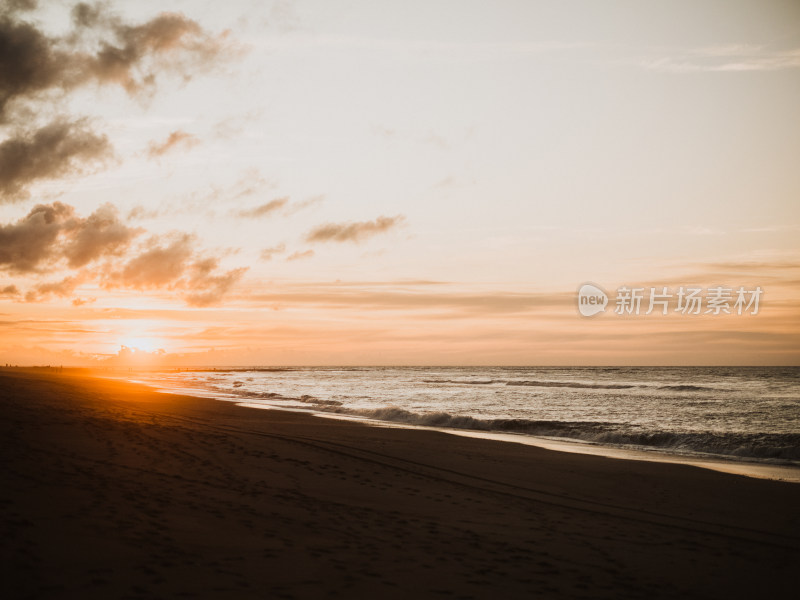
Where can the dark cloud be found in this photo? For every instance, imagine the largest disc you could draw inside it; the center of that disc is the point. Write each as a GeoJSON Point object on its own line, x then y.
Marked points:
{"type": "Point", "coordinates": [37, 70]}
{"type": "Point", "coordinates": [49, 233]}
{"type": "Point", "coordinates": [30, 63]}
{"type": "Point", "coordinates": [176, 139]}
{"type": "Point", "coordinates": [31, 241]}
{"type": "Point", "coordinates": [102, 48]}
{"type": "Point", "coordinates": [56, 150]}
{"type": "Point", "coordinates": [265, 209]}
{"type": "Point", "coordinates": [353, 232]}
{"type": "Point", "coordinates": [9, 290]}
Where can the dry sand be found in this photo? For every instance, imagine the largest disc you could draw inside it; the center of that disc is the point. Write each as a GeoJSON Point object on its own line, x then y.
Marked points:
{"type": "Point", "coordinates": [109, 490]}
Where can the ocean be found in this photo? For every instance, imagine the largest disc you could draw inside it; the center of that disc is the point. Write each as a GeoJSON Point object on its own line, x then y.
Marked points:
{"type": "Point", "coordinates": [734, 413]}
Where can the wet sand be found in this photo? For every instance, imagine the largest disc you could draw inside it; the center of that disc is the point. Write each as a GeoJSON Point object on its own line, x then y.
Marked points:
{"type": "Point", "coordinates": [110, 490]}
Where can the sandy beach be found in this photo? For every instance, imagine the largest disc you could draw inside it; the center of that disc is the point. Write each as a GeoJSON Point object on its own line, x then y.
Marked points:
{"type": "Point", "coordinates": [111, 490]}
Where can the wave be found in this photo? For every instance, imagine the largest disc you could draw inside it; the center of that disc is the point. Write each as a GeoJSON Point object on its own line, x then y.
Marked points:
{"type": "Point", "coordinates": [575, 384]}
{"type": "Point", "coordinates": [685, 388]}
{"type": "Point", "coordinates": [464, 381]}
{"type": "Point", "coordinates": [779, 446]}
{"type": "Point", "coordinates": [752, 446]}
{"type": "Point", "coordinates": [312, 401]}
{"type": "Point", "coordinates": [570, 384]}
{"type": "Point", "coordinates": [534, 383]}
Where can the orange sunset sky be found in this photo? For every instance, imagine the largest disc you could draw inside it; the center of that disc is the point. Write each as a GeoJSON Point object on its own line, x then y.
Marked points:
{"type": "Point", "coordinates": [374, 182]}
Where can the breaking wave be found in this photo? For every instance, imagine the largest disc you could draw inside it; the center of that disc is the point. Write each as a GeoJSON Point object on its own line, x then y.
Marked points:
{"type": "Point", "coordinates": [776, 446]}
{"type": "Point", "coordinates": [783, 446]}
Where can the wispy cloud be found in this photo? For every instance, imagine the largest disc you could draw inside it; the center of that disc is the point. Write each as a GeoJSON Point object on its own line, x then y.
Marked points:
{"type": "Point", "coordinates": [176, 139]}
{"type": "Point", "coordinates": [300, 255]}
{"type": "Point", "coordinates": [732, 58]}
{"type": "Point", "coordinates": [263, 210]}
{"type": "Point", "coordinates": [269, 253]}
{"type": "Point", "coordinates": [282, 206]}
{"type": "Point", "coordinates": [357, 231]}
{"type": "Point", "coordinates": [450, 50]}
{"type": "Point", "coordinates": [63, 289]}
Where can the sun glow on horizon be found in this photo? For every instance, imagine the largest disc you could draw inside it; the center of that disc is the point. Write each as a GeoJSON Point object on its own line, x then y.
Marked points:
{"type": "Point", "coordinates": [358, 185]}
{"type": "Point", "coordinates": [143, 344]}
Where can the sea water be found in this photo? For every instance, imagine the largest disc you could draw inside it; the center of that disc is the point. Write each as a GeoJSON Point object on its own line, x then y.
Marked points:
{"type": "Point", "coordinates": [737, 413]}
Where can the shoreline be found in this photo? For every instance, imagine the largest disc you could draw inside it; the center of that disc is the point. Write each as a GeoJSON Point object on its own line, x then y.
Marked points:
{"type": "Point", "coordinates": [721, 463]}
{"type": "Point", "coordinates": [113, 490]}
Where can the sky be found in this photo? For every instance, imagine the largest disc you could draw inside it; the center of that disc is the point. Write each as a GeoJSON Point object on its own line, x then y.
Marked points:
{"type": "Point", "coordinates": [369, 182]}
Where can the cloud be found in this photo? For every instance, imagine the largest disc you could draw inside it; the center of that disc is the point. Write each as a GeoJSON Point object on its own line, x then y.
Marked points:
{"type": "Point", "coordinates": [31, 63]}
{"type": "Point", "coordinates": [205, 286]}
{"type": "Point", "coordinates": [173, 263]}
{"type": "Point", "coordinates": [447, 182]}
{"type": "Point", "coordinates": [279, 204]}
{"type": "Point", "coordinates": [418, 297]}
{"type": "Point", "coordinates": [268, 253]}
{"type": "Point", "coordinates": [264, 209]}
{"type": "Point", "coordinates": [159, 266]}
{"type": "Point", "coordinates": [54, 236]}
{"type": "Point", "coordinates": [176, 139]}
{"type": "Point", "coordinates": [103, 49]}
{"type": "Point", "coordinates": [31, 241]}
{"type": "Point", "coordinates": [39, 69]}
{"type": "Point", "coordinates": [58, 149]}
{"type": "Point", "coordinates": [52, 232]}
{"type": "Point", "coordinates": [732, 58]}
{"type": "Point", "coordinates": [12, 6]}
{"type": "Point", "coordinates": [101, 234]}
{"type": "Point", "coordinates": [133, 55]}
{"type": "Point", "coordinates": [140, 212]}
{"type": "Point", "coordinates": [300, 255]}
{"type": "Point", "coordinates": [298, 206]}
{"type": "Point", "coordinates": [62, 289]}
{"type": "Point", "coordinates": [353, 232]}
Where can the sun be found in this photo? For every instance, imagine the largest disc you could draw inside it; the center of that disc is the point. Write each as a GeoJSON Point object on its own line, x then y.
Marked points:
{"type": "Point", "coordinates": [146, 344]}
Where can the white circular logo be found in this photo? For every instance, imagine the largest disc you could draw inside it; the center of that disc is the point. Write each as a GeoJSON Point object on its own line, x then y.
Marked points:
{"type": "Point", "coordinates": [591, 300]}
